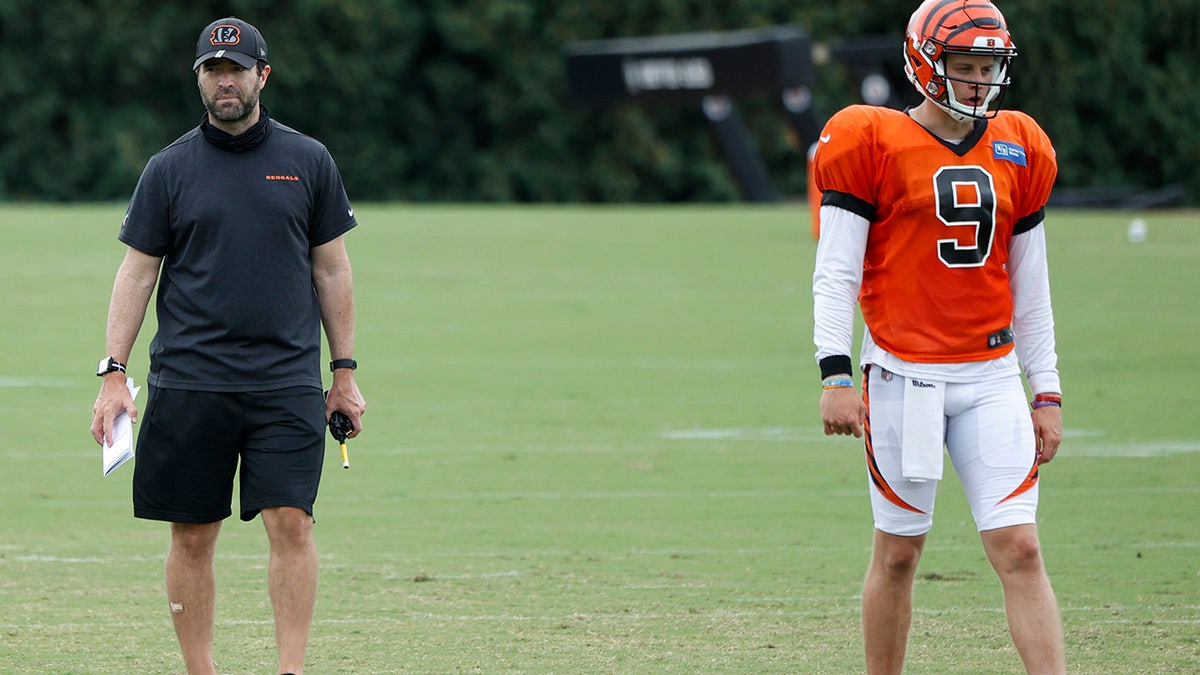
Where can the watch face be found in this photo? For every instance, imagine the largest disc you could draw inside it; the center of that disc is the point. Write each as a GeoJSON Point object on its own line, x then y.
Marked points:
{"type": "Point", "coordinates": [102, 367]}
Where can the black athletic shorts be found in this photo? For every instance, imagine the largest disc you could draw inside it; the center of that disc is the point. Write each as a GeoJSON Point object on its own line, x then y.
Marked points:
{"type": "Point", "coordinates": [190, 444]}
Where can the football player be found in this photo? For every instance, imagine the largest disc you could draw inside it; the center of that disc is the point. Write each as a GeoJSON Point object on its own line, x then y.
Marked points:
{"type": "Point", "coordinates": [932, 223]}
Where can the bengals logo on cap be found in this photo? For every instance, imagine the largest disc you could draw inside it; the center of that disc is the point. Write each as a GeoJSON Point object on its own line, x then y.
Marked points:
{"type": "Point", "coordinates": [225, 34]}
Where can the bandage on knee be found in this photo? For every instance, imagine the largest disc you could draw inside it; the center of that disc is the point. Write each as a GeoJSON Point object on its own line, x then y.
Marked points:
{"type": "Point", "coordinates": [176, 607]}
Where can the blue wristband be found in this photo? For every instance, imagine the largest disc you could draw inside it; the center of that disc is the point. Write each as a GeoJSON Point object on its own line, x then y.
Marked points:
{"type": "Point", "coordinates": [837, 382]}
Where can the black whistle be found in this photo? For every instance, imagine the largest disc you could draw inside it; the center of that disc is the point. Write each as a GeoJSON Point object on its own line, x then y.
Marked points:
{"type": "Point", "coordinates": [340, 426]}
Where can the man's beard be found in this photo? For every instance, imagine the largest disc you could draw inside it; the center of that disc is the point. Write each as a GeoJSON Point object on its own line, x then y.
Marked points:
{"type": "Point", "coordinates": [232, 114]}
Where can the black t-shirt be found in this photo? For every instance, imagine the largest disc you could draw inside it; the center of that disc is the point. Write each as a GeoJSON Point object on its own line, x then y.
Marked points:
{"type": "Point", "coordinates": [236, 306]}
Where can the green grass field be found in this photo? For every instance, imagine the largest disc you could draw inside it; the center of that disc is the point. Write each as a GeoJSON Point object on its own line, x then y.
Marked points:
{"type": "Point", "coordinates": [592, 446]}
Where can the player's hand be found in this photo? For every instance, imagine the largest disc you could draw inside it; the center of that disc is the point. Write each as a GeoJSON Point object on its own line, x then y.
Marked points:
{"type": "Point", "coordinates": [843, 412]}
{"type": "Point", "coordinates": [1048, 431]}
{"type": "Point", "coordinates": [114, 398]}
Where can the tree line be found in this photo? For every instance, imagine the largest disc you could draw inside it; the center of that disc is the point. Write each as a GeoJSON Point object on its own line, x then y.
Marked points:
{"type": "Point", "coordinates": [466, 100]}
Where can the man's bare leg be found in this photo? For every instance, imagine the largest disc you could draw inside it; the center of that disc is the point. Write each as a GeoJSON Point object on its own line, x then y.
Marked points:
{"type": "Point", "coordinates": [293, 582]}
{"type": "Point", "coordinates": [1033, 618]}
{"type": "Point", "coordinates": [191, 591]}
{"type": "Point", "coordinates": [887, 601]}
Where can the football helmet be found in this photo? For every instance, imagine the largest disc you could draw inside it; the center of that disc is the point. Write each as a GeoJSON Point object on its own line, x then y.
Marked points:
{"type": "Point", "coordinates": [971, 27]}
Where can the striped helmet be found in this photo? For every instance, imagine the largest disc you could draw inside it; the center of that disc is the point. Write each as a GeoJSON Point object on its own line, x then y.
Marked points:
{"type": "Point", "coordinates": [969, 27]}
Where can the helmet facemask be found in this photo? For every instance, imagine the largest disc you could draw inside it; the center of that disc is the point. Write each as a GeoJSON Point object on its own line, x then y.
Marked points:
{"type": "Point", "coordinates": [992, 92]}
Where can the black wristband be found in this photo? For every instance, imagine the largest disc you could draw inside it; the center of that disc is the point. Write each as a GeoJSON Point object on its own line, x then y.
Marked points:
{"type": "Point", "coordinates": [836, 365]}
{"type": "Point", "coordinates": [343, 363]}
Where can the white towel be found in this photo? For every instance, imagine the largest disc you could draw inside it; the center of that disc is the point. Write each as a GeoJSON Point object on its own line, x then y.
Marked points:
{"type": "Point", "coordinates": [922, 436]}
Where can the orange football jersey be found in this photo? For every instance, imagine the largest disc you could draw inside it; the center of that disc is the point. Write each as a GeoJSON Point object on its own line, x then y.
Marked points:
{"type": "Point", "coordinates": [935, 284]}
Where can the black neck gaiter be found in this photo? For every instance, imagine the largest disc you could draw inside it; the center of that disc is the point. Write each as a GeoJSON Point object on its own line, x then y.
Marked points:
{"type": "Point", "coordinates": [246, 140]}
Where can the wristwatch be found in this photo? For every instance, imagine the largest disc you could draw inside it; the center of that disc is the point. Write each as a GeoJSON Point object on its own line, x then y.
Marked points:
{"type": "Point", "coordinates": [109, 365]}
{"type": "Point", "coordinates": [343, 363]}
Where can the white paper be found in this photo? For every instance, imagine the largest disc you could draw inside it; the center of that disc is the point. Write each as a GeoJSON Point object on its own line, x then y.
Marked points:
{"type": "Point", "coordinates": [121, 450]}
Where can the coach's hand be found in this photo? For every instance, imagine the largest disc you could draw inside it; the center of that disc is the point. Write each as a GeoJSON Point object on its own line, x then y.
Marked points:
{"type": "Point", "coordinates": [843, 412]}
{"type": "Point", "coordinates": [345, 397]}
{"type": "Point", "coordinates": [114, 398]}
{"type": "Point", "coordinates": [1048, 430]}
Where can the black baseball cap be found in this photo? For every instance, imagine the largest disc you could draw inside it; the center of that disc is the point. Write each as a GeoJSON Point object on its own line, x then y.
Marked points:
{"type": "Point", "coordinates": [233, 39]}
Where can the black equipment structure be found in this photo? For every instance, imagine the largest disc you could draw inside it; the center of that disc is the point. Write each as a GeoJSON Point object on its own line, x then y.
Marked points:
{"type": "Point", "coordinates": [712, 69]}
{"type": "Point", "coordinates": [709, 70]}
{"type": "Point", "coordinates": [876, 63]}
